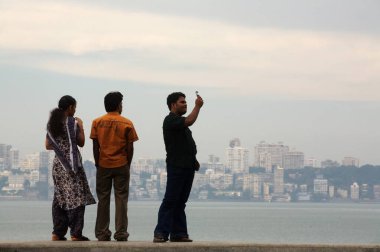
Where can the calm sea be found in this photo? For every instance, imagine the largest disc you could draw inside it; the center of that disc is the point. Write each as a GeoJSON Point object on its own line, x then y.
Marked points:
{"type": "Point", "coordinates": [307, 223]}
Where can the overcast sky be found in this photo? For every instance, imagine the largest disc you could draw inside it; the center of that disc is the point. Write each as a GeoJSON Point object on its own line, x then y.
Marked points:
{"type": "Point", "coordinates": [306, 73]}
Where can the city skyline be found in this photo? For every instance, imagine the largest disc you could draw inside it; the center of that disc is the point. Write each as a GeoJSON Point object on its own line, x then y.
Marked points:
{"type": "Point", "coordinates": [235, 157]}
{"type": "Point", "coordinates": [31, 178]}
{"type": "Point", "coordinates": [302, 73]}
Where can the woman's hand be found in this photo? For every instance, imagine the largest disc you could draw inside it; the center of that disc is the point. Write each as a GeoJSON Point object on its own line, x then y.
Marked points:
{"type": "Point", "coordinates": [79, 121]}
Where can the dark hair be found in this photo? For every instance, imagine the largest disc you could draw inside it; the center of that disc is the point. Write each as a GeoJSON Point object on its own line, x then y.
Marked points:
{"type": "Point", "coordinates": [112, 101]}
{"type": "Point", "coordinates": [55, 124]}
{"type": "Point", "coordinates": [173, 98]}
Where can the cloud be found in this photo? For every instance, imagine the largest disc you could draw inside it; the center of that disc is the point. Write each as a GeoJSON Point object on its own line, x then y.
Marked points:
{"type": "Point", "coordinates": [157, 49]}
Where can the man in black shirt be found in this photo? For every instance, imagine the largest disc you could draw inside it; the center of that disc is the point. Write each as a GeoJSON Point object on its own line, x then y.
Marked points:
{"type": "Point", "coordinates": [181, 165]}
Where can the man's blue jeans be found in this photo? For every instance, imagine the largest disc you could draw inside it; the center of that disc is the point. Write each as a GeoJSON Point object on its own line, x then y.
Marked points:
{"type": "Point", "coordinates": [171, 216]}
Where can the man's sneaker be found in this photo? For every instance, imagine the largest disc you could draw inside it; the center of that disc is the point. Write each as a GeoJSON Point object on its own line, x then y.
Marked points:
{"type": "Point", "coordinates": [55, 237]}
{"type": "Point", "coordinates": [159, 239]}
{"type": "Point", "coordinates": [180, 239]}
{"type": "Point", "coordinates": [79, 238]}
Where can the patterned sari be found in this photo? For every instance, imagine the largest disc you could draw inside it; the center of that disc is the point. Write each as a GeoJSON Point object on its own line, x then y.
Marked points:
{"type": "Point", "coordinates": [71, 188]}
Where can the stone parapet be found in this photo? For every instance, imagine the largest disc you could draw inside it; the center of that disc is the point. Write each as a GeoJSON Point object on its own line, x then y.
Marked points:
{"type": "Point", "coordinates": [134, 246]}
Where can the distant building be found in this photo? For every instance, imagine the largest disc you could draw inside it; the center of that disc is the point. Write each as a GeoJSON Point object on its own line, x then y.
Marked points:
{"type": "Point", "coordinates": [279, 180]}
{"type": "Point", "coordinates": [266, 191]}
{"type": "Point", "coordinates": [14, 159]}
{"type": "Point", "coordinates": [303, 188]}
{"type": "Point", "coordinates": [264, 160]}
{"type": "Point", "coordinates": [201, 181]}
{"type": "Point", "coordinates": [350, 161]}
{"type": "Point", "coordinates": [237, 157]}
{"type": "Point", "coordinates": [143, 165]}
{"type": "Point", "coordinates": [290, 187]}
{"type": "Point", "coordinates": [2, 164]}
{"type": "Point", "coordinates": [329, 163]}
{"type": "Point", "coordinates": [376, 192]}
{"type": "Point", "coordinates": [320, 185]}
{"type": "Point", "coordinates": [342, 193]}
{"type": "Point", "coordinates": [331, 192]}
{"type": "Point", "coordinates": [31, 162]}
{"type": "Point", "coordinates": [253, 184]}
{"type": "Point", "coordinates": [15, 182]}
{"type": "Point", "coordinates": [217, 181]}
{"type": "Point", "coordinates": [364, 192]}
{"type": "Point", "coordinates": [5, 155]}
{"type": "Point", "coordinates": [135, 180]}
{"type": "Point", "coordinates": [227, 180]}
{"type": "Point", "coordinates": [312, 162]}
{"type": "Point", "coordinates": [238, 181]}
{"type": "Point", "coordinates": [303, 194]}
{"type": "Point", "coordinates": [294, 160]}
{"type": "Point", "coordinates": [355, 191]}
{"type": "Point", "coordinates": [215, 164]}
{"type": "Point", "coordinates": [269, 155]}
{"type": "Point", "coordinates": [34, 177]}
{"type": "Point", "coordinates": [44, 159]}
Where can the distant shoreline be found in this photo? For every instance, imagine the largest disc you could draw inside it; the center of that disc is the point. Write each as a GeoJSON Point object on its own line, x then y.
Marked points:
{"type": "Point", "coordinates": [20, 198]}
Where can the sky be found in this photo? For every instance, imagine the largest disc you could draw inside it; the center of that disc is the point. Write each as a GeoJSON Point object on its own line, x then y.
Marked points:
{"type": "Point", "coordinates": [306, 73]}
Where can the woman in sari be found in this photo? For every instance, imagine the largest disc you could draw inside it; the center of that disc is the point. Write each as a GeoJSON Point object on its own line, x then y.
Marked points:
{"type": "Point", "coordinates": [71, 191]}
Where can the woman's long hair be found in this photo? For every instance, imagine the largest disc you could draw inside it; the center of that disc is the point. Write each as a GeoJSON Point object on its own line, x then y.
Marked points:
{"type": "Point", "coordinates": [57, 116]}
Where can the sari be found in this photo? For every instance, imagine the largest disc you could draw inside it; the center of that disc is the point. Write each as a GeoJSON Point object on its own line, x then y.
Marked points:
{"type": "Point", "coordinates": [71, 188]}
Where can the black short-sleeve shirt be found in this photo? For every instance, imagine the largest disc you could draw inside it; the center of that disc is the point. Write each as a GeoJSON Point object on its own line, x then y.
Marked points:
{"type": "Point", "coordinates": [179, 143]}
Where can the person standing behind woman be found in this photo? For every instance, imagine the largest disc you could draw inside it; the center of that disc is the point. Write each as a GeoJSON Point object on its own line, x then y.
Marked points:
{"type": "Point", "coordinates": [113, 136]}
{"type": "Point", "coordinates": [71, 191]}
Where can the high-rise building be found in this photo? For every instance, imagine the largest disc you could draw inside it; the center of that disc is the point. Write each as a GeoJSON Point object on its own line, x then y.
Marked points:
{"type": "Point", "coordinates": [5, 155]}
{"type": "Point", "coordinates": [350, 161]}
{"type": "Point", "coordinates": [320, 185]}
{"type": "Point", "coordinates": [14, 159]}
{"type": "Point", "coordinates": [269, 155]}
{"type": "Point", "coordinates": [237, 157]}
{"type": "Point", "coordinates": [293, 160]}
{"type": "Point", "coordinates": [278, 180]}
{"type": "Point", "coordinates": [264, 160]}
{"type": "Point", "coordinates": [355, 189]}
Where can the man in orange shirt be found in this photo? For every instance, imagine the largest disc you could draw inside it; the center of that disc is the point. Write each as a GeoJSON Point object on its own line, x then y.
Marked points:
{"type": "Point", "coordinates": [113, 136]}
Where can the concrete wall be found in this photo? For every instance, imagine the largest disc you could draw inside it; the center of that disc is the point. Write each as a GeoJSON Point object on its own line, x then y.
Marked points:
{"type": "Point", "coordinates": [177, 247]}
